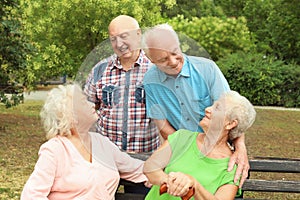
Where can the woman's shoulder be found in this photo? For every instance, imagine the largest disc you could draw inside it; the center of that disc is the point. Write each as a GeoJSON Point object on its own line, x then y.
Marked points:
{"type": "Point", "coordinates": [182, 139]}
{"type": "Point", "coordinates": [182, 134]}
{"type": "Point", "coordinates": [54, 145]}
{"type": "Point", "coordinates": [103, 143]}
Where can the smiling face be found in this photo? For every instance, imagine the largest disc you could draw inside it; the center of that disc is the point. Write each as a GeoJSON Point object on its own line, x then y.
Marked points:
{"type": "Point", "coordinates": [125, 44]}
{"type": "Point", "coordinates": [162, 47]}
{"type": "Point", "coordinates": [125, 36]}
{"type": "Point", "coordinates": [215, 116]}
{"type": "Point", "coordinates": [167, 62]}
{"type": "Point", "coordinates": [84, 111]}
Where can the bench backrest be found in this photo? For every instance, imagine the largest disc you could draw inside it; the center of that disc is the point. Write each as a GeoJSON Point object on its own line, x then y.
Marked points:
{"type": "Point", "coordinates": [273, 165]}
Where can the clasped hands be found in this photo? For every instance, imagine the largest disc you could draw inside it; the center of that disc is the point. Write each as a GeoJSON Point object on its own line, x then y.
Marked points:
{"type": "Point", "coordinates": [179, 184]}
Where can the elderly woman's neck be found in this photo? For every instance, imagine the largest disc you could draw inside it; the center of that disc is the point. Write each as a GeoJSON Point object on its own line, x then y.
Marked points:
{"type": "Point", "coordinates": [210, 144]}
{"type": "Point", "coordinates": [214, 138]}
{"type": "Point", "coordinates": [82, 143]}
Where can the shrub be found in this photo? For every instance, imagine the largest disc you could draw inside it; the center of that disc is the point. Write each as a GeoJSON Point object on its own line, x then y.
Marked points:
{"type": "Point", "coordinates": [263, 80]}
{"type": "Point", "coordinates": [219, 37]}
{"type": "Point", "coordinates": [289, 90]}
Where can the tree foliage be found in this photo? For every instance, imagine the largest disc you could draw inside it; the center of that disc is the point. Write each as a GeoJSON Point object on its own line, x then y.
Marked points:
{"type": "Point", "coordinates": [264, 80]}
{"type": "Point", "coordinates": [274, 23]}
{"type": "Point", "coordinates": [232, 8]}
{"type": "Point", "coordinates": [13, 50]}
{"type": "Point", "coordinates": [193, 8]}
{"type": "Point", "coordinates": [284, 28]}
{"type": "Point", "coordinates": [65, 31]}
{"type": "Point", "coordinates": [13, 46]}
{"type": "Point", "coordinates": [220, 37]}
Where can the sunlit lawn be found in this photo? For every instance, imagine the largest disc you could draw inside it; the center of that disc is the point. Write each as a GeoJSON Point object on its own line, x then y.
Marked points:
{"type": "Point", "coordinates": [275, 134]}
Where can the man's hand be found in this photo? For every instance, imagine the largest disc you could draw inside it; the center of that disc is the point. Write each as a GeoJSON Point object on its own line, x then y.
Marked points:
{"type": "Point", "coordinates": [240, 158]}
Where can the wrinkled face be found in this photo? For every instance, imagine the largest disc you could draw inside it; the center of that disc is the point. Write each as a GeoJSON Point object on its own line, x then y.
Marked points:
{"type": "Point", "coordinates": [84, 111]}
{"type": "Point", "coordinates": [168, 62]}
{"type": "Point", "coordinates": [215, 116]}
{"type": "Point", "coordinates": [125, 43]}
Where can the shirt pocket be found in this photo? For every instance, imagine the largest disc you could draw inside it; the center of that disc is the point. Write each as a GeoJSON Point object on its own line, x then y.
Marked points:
{"type": "Point", "coordinates": [203, 103]}
{"type": "Point", "coordinates": [140, 94]}
{"type": "Point", "coordinates": [110, 95]}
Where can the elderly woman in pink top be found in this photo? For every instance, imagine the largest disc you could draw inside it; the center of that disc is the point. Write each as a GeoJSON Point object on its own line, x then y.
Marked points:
{"type": "Point", "coordinates": [75, 163]}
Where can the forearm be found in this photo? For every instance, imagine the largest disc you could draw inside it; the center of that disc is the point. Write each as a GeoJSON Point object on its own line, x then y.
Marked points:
{"type": "Point", "coordinates": [201, 193]}
{"type": "Point", "coordinates": [224, 192]}
{"type": "Point", "coordinates": [239, 157]}
{"type": "Point", "coordinates": [157, 177]}
{"type": "Point", "coordinates": [165, 128]}
{"type": "Point", "coordinates": [159, 159]}
{"type": "Point", "coordinates": [239, 143]}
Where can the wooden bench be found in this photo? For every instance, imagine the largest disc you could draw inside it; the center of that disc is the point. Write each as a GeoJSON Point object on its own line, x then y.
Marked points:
{"type": "Point", "coordinates": [272, 165]}
{"type": "Point", "coordinates": [258, 164]}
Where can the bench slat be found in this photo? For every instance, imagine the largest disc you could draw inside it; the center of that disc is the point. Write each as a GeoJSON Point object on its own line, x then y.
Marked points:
{"type": "Point", "coordinates": [140, 156]}
{"type": "Point", "coordinates": [271, 186]}
{"type": "Point", "coordinates": [285, 166]}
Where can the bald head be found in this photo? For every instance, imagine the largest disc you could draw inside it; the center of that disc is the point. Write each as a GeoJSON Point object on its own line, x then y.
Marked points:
{"type": "Point", "coordinates": [125, 37]}
{"type": "Point", "coordinates": [122, 23]}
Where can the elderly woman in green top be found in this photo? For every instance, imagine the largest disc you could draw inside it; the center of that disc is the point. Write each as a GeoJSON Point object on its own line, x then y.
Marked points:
{"type": "Point", "coordinates": [198, 161]}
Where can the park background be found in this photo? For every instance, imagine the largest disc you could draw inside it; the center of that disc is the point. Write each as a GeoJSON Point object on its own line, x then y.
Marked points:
{"type": "Point", "coordinates": [256, 44]}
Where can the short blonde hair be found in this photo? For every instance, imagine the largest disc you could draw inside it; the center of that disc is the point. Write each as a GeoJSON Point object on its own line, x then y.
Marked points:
{"type": "Point", "coordinates": [57, 112]}
{"type": "Point", "coordinates": [241, 110]}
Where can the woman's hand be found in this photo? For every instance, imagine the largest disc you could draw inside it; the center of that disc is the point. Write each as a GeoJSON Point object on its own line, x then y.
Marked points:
{"type": "Point", "coordinates": [179, 184]}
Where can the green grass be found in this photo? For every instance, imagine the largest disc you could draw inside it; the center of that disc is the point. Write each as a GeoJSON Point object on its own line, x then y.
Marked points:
{"type": "Point", "coordinates": [275, 133]}
{"type": "Point", "coordinates": [21, 135]}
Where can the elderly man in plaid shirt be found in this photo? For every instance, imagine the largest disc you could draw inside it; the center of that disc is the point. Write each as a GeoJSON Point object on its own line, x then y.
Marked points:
{"type": "Point", "coordinates": [115, 85]}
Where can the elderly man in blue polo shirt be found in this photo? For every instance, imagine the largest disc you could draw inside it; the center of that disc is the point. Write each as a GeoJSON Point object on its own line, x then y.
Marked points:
{"type": "Point", "coordinates": [179, 88]}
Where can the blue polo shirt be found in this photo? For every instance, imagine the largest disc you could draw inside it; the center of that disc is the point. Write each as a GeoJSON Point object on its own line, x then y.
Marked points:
{"type": "Point", "coordinates": [182, 100]}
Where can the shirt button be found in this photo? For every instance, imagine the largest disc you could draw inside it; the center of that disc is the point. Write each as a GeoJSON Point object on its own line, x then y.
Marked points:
{"type": "Point", "coordinates": [187, 119]}
{"type": "Point", "coordinates": [177, 86]}
{"type": "Point", "coordinates": [182, 103]}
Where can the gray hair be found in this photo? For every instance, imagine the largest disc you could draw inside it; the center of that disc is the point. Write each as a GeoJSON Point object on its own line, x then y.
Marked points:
{"type": "Point", "coordinates": [241, 110]}
{"type": "Point", "coordinates": [57, 112]}
{"type": "Point", "coordinates": [154, 37]}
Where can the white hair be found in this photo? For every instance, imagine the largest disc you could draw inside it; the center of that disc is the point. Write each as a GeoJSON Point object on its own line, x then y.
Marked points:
{"type": "Point", "coordinates": [57, 112]}
{"type": "Point", "coordinates": [241, 110]}
{"type": "Point", "coordinates": [153, 37]}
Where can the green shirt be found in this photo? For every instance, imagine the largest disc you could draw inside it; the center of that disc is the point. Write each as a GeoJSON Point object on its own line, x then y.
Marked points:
{"type": "Point", "coordinates": [187, 158]}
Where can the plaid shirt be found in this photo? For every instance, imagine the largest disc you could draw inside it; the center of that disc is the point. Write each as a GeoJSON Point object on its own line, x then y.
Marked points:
{"type": "Point", "coordinates": [121, 99]}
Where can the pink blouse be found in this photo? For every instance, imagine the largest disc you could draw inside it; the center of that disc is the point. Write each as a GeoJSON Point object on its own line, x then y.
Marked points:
{"type": "Point", "coordinates": [62, 173]}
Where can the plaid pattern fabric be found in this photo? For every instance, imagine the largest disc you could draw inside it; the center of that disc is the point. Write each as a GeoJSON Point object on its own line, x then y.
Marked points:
{"type": "Point", "coordinates": [122, 111]}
